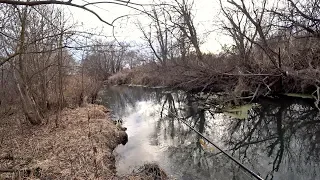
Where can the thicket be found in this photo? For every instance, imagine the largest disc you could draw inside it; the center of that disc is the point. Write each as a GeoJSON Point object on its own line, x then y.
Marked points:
{"type": "Point", "coordinates": [275, 49]}
{"type": "Point", "coordinates": [47, 63]}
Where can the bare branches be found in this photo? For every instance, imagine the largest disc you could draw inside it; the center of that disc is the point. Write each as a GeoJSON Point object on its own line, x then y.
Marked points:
{"type": "Point", "coordinates": [69, 3]}
{"type": "Point", "coordinates": [3, 61]}
{"type": "Point", "coordinates": [302, 13]}
{"type": "Point", "coordinates": [158, 35]}
{"type": "Point", "coordinates": [129, 4]}
{"type": "Point", "coordinates": [299, 18]}
{"type": "Point", "coordinates": [174, 32]}
{"type": "Point", "coordinates": [252, 16]}
{"type": "Point", "coordinates": [37, 3]}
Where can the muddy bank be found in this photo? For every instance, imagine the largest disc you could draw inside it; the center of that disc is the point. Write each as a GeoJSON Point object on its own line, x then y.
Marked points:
{"type": "Point", "coordinates": [79, 148]}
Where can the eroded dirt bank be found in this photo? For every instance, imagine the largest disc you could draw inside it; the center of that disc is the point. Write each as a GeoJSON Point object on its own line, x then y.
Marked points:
{"type": "Point", "coordinates": [79, 148]}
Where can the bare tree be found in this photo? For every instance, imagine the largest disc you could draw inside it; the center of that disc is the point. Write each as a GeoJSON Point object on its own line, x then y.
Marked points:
{"type": "Point", "coordinates": [28, 103]}
{"type": "Point", "coordinates": [158, 35]}
{"type": "Point", "coordinates": [243, 34]}
{"type": "Point", "coordinates": [172, 33]}
{"type": "Point", "coordinates": [254, 15]}
{"type": "Point", "coordinates": [300, 18]}
{"type": "Point", "coordinates": [32, 38]}
{"type": "Point", "coordinates": [185, 22]}
{"type": "Point", "coordinates": [105, 58]}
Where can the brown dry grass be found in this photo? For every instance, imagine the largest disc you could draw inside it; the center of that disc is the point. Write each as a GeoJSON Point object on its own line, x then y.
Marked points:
{"type": "Point", "coordinates": [149, 171]}
{"type": "Point", "coordinates": [188, 75]}
{"type": "Point", "coordinates": [75, 85]}
{"type": "Point", "coordinates": [148, 75]}
{"type": "Point", "coordinates": [80, 148]}
{"type": "Point", "coordinates": [225, 73]}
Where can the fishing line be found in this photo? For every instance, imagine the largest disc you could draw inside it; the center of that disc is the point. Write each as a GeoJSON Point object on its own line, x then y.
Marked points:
{"type": "Point", "coordinates": [225, 153]}
{"type": "Point", "coordinates": [174, 113]}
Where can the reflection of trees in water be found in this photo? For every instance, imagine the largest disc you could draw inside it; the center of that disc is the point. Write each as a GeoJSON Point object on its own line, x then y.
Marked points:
{"type": "Point", "coordinates": [278, 140]}
{"type": "Point", "coordinates": [189, 154]}
{"type": "Point", "coordinates": [119, 97]}
{"type": "Point", "coordinates": [285, 134]}
{"type": "Point", "coordinates": [167, 117]}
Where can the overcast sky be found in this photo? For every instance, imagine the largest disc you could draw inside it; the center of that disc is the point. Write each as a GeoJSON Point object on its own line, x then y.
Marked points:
{"type": "Point", "coordinates": [205, 11]}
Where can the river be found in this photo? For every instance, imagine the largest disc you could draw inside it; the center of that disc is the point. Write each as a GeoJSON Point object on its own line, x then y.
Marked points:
{"type": "Point", "coordinates": [275, 139]}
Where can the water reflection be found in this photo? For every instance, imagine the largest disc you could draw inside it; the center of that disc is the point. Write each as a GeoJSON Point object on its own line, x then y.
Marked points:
{"type": "Point", "coordinates": [282, 139]}
{"type": "Point", "coordinates": [277, 140]}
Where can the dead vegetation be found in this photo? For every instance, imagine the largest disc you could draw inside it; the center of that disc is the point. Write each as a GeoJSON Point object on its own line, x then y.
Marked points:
{"type": "Point", "coordinates": [218, 73]}
{"type": "Point", "coordinates": [81, 147]}
{"type": "Point", "coordinates": [149, 172]}
{"type": "Point", "coordinates": [275, 50]}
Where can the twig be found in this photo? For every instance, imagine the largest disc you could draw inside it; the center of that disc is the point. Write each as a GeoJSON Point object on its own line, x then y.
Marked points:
{"type": "Point", "coordinates": [37, 3]}
{"type": "Point", "coordinates": [317, 97]}
{"type": "Point", "coordinates": [229, 74]}
{"type": "Point", "coordinates": [8, 170]}
{"type": "Point", "coordinates": [255, 93]}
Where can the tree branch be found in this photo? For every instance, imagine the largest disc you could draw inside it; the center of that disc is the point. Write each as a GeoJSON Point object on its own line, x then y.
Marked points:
{"type": "Point", "coordinates": [301, 13]}
{"type": "Point", "coordinates": [67, 3]}
{"type": "Point", "coordinates": [8, 58]}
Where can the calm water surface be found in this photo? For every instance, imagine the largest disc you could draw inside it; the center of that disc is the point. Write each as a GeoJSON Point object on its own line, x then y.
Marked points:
{"type": "Point", "coordinates": [275, 140]}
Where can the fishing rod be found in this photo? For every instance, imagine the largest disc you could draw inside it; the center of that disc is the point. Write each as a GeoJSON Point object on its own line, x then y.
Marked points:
{"type": "Point", "coordinates": [225, 153]}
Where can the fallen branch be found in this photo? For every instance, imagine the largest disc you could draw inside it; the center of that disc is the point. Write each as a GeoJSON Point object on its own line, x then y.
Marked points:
{"type": "Point", "coordinates": [8, 170]}
{"type": "Point", "coordinates": [274, 75]}
{"type": "Point", "coordinates": [316, 97]}
{"type": "Point", "coordinates": [256, 92]}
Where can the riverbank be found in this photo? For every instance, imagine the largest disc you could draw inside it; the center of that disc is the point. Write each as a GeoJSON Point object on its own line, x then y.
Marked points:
{"type": "Point", "coordinates": [221, 74]}
{"type": "Point", "coordinates": [81, 147]}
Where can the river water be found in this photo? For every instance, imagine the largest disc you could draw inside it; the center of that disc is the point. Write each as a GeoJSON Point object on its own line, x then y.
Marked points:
{"type": "Point", "coordinates": [276, 140]}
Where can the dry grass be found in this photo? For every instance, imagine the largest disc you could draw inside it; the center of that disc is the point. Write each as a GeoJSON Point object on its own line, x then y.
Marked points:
{"type": "Point", "coordinates": [120, 78]}
{"type": "Point", "coordinates": [149, 172]}
{"type": "Point", "coordinates": [224, 73]}
{"type": "Point", "coordinates": [80, 148]}
{"type": "Point", "coordinates": [188, 75]}
{"type": "Point", "coordinates": [76, 84]}
{"type": "Point", "coordinates": [147, 75]}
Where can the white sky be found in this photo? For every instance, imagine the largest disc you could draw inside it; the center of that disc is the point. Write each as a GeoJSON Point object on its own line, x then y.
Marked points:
{"type": "Point", "coordinates": [205, 11]}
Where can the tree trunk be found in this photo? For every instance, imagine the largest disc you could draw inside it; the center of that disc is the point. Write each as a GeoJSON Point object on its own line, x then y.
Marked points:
{"type": "Point", "coordinates": [29, 106]}
{"type": "Point", "coordinates": [60, 80]}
